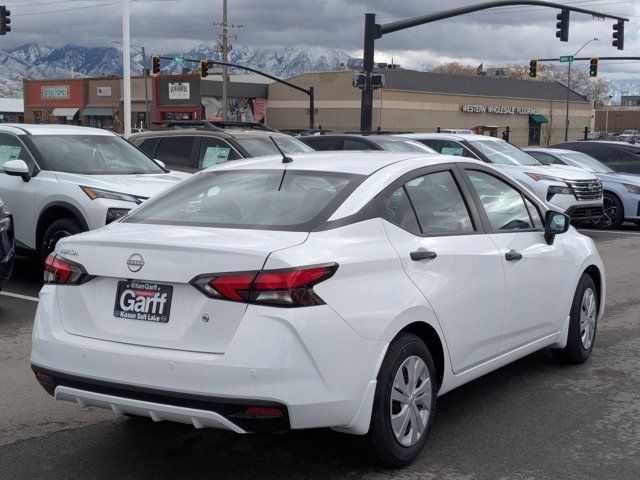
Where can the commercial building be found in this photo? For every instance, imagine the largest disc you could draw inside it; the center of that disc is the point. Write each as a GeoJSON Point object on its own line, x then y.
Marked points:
{"type": "Point", "coordinates": [415, 101]}
{"type": "Point", "coordinates": [618, 118]}
{"type": "Point", "coordinates": [11, 110]}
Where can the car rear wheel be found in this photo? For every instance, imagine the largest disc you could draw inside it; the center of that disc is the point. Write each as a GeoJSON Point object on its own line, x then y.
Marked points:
{"type": "Point", "coordinates": [582, 324]}
{"type": "Point", "coordinates": [64, 227]}
{"type": "Point", "coordinates": [403, 406]}
{"type": "Point", "coordinates": [613, 213]}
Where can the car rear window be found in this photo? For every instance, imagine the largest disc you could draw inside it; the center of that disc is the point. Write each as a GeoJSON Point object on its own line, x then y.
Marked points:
{"type": "Point", "coordinates": [257, 146]}
{"type": "Point", "coordinates": [254, 199]}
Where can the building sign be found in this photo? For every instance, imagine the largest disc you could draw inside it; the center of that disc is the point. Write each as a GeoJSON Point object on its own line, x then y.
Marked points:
{"type": "Point", "coordinates": [498, 109]}
{"type": "Point", "coordinates": [58, 92]}
{"type": "Point", "coordinates": [179, 91]}
{"type": "Point", "coordinates": [103, 91]}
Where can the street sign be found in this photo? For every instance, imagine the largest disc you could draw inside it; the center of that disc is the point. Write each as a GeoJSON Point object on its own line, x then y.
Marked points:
{"type": "Point", "coordinates": [566, 59]}
{"type": "Point", "coordinates": [178, 59]}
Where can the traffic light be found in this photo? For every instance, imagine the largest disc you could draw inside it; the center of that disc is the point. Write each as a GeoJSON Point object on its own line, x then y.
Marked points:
{"type": "Point", "coordinates": [155, 65]}
{"type": "Point", "coordinates": [533, 68]}
{"type": "Point", "coordinates": [563, 25]}
{"type": "Point", "coordinates": [618, 35]}
{"type": "Point", "coordinates": [593, 67]}
{"type": "Point", "coordinates": [204, 68]}
{"type": "Point", "coordinates": [4, 20]}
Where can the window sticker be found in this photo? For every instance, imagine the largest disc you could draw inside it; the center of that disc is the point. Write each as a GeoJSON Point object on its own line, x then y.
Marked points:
{"type": "Point", "coordinates": [9, 152]}
{"type": "Point", "coordinates": [214, 156]}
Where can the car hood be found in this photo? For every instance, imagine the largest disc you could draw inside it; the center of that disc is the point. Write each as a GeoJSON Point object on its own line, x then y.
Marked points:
{"type": "Point", "coordinates": [619, 178]}
{"type": "Point", "coordinates": [560, 171]}
{"type": "Point", "coordinates": [141, 185]}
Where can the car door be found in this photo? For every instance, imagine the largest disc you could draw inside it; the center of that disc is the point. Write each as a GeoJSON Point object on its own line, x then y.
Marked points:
{"type": "Point", "coordinates": [18, 195]}
{"type": "Point", "coordinates": [214, 151]}
{"type": "Point", "coordinates": [435, 229]}
{"type": "Point", "coordinates": [535, 272]}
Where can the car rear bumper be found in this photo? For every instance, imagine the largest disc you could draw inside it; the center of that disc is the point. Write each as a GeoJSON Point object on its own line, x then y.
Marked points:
{"type": "Point", "coordinates": [317, 370]}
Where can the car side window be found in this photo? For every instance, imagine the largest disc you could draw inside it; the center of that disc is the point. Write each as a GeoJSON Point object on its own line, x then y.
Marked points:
{"type": "Point", "coordinates": [214, 151]}
{"type": "Point", "coordinates": [504, 205]}
{"type": "Point", "coordinates": [176, 151]}
{"type": "Point", "coordinates": [429, 143]}
{"type": "Point", "coordinates": [354, 144]}
{"type": "Point", "coordinates": [439, 204]}
{"type": "Point", "coordinates": [449, 147]}
{"type": "Point", "coordinates": [400, 212]}
{"type": "Point", "coordinates": [545, 158]}
{"type": "Point", "coordinates": [319, 143]}
{"type": "Point", "coordinates": [12, 149]}
{"type": "Point", "coordinates": [149, 145]}
{"type": "Point", "coordinates": [629, 162]}
{"type": "Point", "coordinates": [604, 154]}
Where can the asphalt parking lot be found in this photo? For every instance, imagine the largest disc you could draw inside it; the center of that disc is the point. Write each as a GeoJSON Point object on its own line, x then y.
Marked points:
{"type": "Point", "coordinates": [534, 419]}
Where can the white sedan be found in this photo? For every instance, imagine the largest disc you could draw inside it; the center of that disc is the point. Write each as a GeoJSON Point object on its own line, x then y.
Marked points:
{"type": "Point", "coordinates": [342, 290]}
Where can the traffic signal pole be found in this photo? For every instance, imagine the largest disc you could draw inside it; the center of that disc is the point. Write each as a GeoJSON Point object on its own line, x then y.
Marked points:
{"type": "Point", "coordinates": [310, 91]}
{"type": "Point", "coordinates": [374, 31]}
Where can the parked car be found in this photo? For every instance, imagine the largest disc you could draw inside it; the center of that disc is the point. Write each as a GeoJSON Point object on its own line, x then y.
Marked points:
{"type": "Point", "coordinates": [344, 290]}
{"type": "Point", "coordinates": [628, 135]}
{"type": "Point", "coordinates": [7, 247]}
{"type": "Point", "coordinates": [618, 156]}
{"type": "Point", "coordinates": [576, 193]}
{"type": "Point", "coordinates": [192, 146]}
{"type": "Point", "coordinates": [59, 180]}
{"type": "Point", "coordinates": [364, 142]}
{"type": "Point", "coordinates": [621, 191]}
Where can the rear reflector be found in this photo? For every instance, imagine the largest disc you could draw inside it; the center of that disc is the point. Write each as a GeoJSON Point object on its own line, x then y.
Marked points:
{"type": "Point", "coordinates": [283, 288]}
{"type": "Point", "coordinates": [263, 412]}
{"type": "Point", "coordinates": [60, 271]}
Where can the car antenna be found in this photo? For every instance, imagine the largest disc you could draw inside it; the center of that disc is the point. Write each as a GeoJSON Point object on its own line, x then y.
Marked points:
{"type": "Point", "coordinates": [285, 159]}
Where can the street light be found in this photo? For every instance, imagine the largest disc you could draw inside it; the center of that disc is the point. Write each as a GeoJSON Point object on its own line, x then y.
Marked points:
{"type": "Point", "coordinates": [141, 50]}
{"type": "Point", "coordinates": [566, 124]}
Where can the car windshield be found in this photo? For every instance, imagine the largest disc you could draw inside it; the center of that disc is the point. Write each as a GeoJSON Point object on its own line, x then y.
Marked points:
{"type": "Point", "coordinates": [254, 199]}
{"type": "Point", "coordinates": [257, 146]}
{"type": "Point", "coordinates": [501, 152]}
{"type": "Point", "coordinates": [585, 162]}
{"type": "Point", "coordinates": [92, 155]}
{"type": "Point", "coordinates": [402, 145]}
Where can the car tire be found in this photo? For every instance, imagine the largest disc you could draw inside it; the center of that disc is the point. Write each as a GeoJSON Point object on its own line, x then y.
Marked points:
{"type": "Point", "coordinates": [382, 446]}
{"type": "Point", "coordinates": [582, 324]}
{"type": "Point", "coordinates": [613, 213]}
{"type": "Point", "coordinates": [64, 227]}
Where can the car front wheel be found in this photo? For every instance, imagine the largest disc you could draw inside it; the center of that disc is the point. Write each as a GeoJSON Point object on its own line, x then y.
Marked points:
{"type": "Point", "coordinates": [613, 213]}
{"type": "Point", "coordinates": [403, 406]}
{"type": "Point", "coordinates": [64, 227]}
{"type": "Point", "coordinates": [582, 324]}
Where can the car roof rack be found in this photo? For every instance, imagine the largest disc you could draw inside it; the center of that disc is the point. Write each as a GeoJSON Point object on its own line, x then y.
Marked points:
{"type": "Point", "coordinates": [246, 125]}
{"type": "Point", "coordinates": [199, 124]}
{"type": "Point", "coordinates": [378, 132]}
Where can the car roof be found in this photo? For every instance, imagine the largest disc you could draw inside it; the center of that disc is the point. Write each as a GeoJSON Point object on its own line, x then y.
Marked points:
{"type": "Point", "coordinates": [353, 162]}
{"type": "Point", "coordinates": [446, 136]}
{"type": "Point", "coordinates": [557, 151]}
{"type": "Point", "coordinates": [52, 129]}
{"type": "Point", "coordinates": [203, 132]}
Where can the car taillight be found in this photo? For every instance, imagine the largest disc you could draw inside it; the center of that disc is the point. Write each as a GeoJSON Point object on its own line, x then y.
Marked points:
{"type": "Point", "coordinates": [280, 288]}
{"type": "Point", "coordinates": [60, 271]}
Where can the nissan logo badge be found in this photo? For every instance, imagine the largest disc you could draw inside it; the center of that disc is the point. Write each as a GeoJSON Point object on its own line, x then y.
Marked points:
{"type": "Point", "coordinates": [135, 262]}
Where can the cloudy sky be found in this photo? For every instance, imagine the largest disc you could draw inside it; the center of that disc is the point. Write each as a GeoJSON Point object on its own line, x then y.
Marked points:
{"type": "Point", "coordinates": [495, 37]}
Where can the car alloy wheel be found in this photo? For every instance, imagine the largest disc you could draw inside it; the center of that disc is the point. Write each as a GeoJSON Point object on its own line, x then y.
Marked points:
{"type": "Point", "coordinates": [588, 311]}
{"type": "Point", "coordinates": [410, 401]}
{"type": "Point", "coordinates": [613, 213]}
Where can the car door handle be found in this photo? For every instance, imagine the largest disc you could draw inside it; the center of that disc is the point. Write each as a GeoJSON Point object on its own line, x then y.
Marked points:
{"type": "Point", "coordinates": [423, 254]}
{"type": "Point", "coordinates": [512, 256]}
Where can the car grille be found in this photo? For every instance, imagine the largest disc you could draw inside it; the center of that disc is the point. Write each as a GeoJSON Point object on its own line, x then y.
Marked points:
{"type": "Point", "coordinates": [586, 189]}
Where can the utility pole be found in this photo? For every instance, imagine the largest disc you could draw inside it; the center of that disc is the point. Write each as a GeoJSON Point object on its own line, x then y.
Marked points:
{"type": "Point", "coordinates": [126, 68]}
{"type": "Point", "coordinates": [146, 88]}
{"type": "Point", "coordinates": [225, 59]}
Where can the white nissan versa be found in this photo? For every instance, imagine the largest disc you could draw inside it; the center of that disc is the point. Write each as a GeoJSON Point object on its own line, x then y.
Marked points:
{"type": "Point", "coordinates": [342, 290]}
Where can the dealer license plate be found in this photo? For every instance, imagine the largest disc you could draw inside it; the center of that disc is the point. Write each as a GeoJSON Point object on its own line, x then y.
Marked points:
{"type": "Point", "coordinates": [138, 300]}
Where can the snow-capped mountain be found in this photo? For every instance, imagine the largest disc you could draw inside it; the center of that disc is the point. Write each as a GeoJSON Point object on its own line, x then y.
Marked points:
{"type": "Point", "coordinates": [41, 61]}
{"type": "Point", "coordinates": [623, 87]}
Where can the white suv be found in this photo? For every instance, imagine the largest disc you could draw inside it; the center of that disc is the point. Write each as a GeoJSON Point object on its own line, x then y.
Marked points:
{"type": "Point", "coordinates": [577, 193]}
{"type": "Point", "coordinates": [59, 180]}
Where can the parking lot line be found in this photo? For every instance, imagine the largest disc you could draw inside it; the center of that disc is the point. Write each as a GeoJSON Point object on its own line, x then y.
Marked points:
{"type": "Point", "coordinates": [18, 295]}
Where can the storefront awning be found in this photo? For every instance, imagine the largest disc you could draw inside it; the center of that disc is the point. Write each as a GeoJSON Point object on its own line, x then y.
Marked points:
{"type": "Point", "coordinates": [535, 118]}
{"type": "Point", "coordinates": [97, 112]}
{"type": "Point", "coordinates": [65, 112]}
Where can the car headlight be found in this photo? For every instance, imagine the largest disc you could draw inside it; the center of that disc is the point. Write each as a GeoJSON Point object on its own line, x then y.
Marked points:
{"type": "Point", "coordinates": [632, 188]}
{"type": "Point", "coordinates": [557, 190]}
{"type": "Point", "coordinates": [94, 193]}
{"type": "Point", "coordinates": [114, 214]}
{"type": "Point", "coordinates": [537, 177]}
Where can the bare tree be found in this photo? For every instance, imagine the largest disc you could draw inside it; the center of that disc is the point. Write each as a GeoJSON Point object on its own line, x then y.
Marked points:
{"type": "Point", "coordinates": [455, 68]}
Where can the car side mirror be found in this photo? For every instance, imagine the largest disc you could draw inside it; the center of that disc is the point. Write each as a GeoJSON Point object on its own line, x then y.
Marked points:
{"type": "Point", "coordinates": [555, 223]}
{"type": "Point", "coordinates": [17, 168]}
